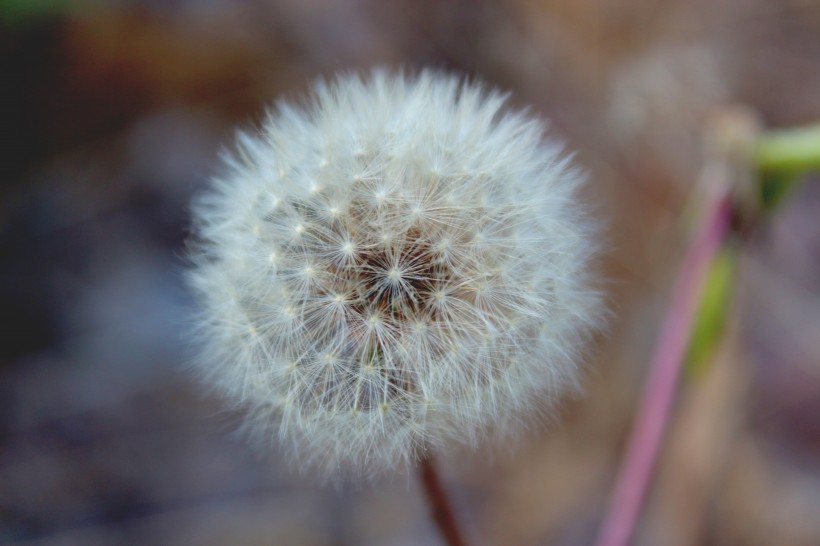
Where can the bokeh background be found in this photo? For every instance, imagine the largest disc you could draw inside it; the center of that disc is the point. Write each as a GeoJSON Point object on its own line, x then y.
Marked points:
{"type": "Point", "coordinates": [112, 115]}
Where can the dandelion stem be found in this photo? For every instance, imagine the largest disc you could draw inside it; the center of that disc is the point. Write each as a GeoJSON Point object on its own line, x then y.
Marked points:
{"type": "Point", "coordinates": [664, 370]}
{"type": "Point", "coordinates": [796, 149]}
{"type": "Point", "coordinates": [440, 506]}
{"type": "Point", "coordinates": [781, 157]}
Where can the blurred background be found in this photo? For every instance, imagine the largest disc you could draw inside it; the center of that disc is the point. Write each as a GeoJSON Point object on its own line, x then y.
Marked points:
{"type": "Point", "coordinates": [112, 115]}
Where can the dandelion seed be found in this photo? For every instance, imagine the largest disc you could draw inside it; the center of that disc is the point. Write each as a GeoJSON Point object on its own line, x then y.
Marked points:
{"type": "Point", "coordinates": [428, 245]}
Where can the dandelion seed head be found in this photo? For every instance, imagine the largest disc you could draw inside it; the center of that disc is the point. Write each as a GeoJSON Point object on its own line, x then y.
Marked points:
{"type": "Point", "coordinates": [398, 264]}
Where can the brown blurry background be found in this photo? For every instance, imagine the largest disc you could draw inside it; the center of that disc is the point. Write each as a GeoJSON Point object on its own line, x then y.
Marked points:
{"type": "Point", "coordinates": [112, 115]}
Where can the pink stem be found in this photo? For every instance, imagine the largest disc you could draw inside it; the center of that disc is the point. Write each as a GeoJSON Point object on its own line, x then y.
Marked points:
{"type": "Point", "coordinates": [664, 371]}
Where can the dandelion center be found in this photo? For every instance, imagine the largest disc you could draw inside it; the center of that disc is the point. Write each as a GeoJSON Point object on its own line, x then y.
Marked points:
{"type": "Point", "coordinates": [412, 285]}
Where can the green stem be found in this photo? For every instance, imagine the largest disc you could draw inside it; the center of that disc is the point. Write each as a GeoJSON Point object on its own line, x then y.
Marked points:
{"type": "Point", "coordinates": [782, 156]}
{"type": "Point", "coordinates": [795, 149]}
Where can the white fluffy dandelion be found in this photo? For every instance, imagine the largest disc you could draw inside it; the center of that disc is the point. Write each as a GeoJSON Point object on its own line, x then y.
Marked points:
{"type": "Point", "coordinates": [398, 265]}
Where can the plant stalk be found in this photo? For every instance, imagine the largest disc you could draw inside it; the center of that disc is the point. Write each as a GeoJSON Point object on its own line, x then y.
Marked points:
{"type": "Point", "coordinates": [664, 371]}
{"type": "Point", "coordinates": [440, 506]}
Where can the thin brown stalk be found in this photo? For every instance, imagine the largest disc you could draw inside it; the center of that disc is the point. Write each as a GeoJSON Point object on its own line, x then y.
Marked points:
{"type": "Point", "coordinates": [439, 502]}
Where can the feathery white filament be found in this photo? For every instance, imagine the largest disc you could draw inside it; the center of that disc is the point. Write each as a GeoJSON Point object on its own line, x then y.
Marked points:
{"type": "Point", "coordinates": [399, 264]}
